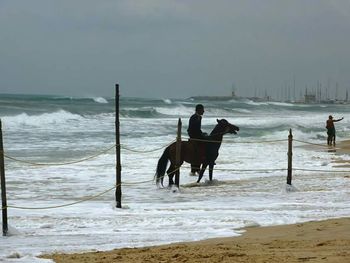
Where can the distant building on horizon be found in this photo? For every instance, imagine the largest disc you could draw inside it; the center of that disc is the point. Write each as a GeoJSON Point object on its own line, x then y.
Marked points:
{"type": "Point", "coordinates": [233, 96]}
{"type": "Point", "coordinates": [309, 98]}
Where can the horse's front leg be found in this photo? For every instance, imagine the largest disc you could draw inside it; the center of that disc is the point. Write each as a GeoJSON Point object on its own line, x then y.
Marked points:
{"type": "Point", "coordinates": [201, 172]}
{"type": "Point", "coordinates": [211, 169]}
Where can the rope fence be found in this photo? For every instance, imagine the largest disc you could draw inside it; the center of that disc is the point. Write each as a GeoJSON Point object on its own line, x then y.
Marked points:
{"type": "Point", "coordinates": [310, 143]}
{"type": "Point", "coordinates": [85, 199]}
{"type": "Point", "coordinates": [147, 151]}
{"type": "Point", "coordinates": [118, 146]}
{"type": "Point", "coordinates": [175, 171]}
{"type": "Point", "coordinates": [165, 146]}
{"type": "Point", "coordinates": [99, 153]}
{"type": "Point", "coordinates": [60, 164]}
{"type": "Point", "coordinates": [279, 169]}
{"type": "Point", "coordinates": [235, 142]}
{"type": "Point", "coordinates": [64, 205]}
{"type": "Point", "coordinates": [85, 158]}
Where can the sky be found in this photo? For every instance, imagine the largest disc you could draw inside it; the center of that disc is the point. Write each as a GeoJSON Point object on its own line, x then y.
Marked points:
{"type": "Point", "coordinates": [175, 49]}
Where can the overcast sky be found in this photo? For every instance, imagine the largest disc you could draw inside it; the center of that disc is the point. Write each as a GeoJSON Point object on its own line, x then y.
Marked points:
{"type": "Point", "coordinates": [174, 49]}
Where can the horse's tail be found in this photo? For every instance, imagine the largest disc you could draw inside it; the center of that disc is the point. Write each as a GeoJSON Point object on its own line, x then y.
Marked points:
{"type": "Point", "coordinates": [161, 166]}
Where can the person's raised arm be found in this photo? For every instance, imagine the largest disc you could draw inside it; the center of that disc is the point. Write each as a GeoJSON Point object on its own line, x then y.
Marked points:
{"type": "Point", "coordinates": [339, 119]}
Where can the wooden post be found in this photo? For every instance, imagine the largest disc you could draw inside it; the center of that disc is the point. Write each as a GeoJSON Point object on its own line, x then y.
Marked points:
{"type": "Point", "coordinates": [290, 154]}
{"type": "Point", "coordinates": [118, 189]}
{"type": "Point", "coordinates": [178, 153]}
{"type": "Point", "coordinates": [3, 186]}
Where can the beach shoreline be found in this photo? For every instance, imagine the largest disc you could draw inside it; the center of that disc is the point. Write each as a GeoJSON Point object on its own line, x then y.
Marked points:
{"type": "Point", "coordinates": [315, 241]}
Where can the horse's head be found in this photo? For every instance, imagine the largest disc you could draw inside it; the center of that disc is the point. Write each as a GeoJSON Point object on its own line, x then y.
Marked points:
{"type": "Point", "coordinates": [227, 127]}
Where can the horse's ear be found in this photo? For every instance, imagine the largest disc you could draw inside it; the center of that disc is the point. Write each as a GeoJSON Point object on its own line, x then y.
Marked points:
{"type": "Point", "coordinates": [218, 120]}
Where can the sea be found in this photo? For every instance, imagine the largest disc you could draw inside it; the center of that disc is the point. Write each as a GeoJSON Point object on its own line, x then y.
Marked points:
{"type": "Point", "coordinates": [60, 169]}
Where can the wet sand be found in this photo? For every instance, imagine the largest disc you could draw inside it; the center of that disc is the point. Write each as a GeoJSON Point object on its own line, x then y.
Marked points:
{"type": "Point", "coordinates": [342, 148]}
{"type": "Point", "coordinates": [323, 241]}
{"type": "Point", "coordinates": [319, 241]}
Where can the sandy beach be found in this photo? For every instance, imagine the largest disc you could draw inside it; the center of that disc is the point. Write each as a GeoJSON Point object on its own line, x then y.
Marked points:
{"type": "Point", "coordinates": [323, 241]}
{"type": "Point", "coordinates": [317, 241]}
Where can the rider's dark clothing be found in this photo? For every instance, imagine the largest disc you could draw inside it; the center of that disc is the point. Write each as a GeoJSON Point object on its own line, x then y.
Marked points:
{"type": "Point", "coordinates": [194, 132]}
{"type": "Point", "coordinates": [194, 127]}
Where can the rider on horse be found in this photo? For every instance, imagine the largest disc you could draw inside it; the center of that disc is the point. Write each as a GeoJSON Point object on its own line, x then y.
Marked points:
{"type": "Point", "coordinates": [190, 154]}
{"type": "Point", "coordinates": [197, 136]}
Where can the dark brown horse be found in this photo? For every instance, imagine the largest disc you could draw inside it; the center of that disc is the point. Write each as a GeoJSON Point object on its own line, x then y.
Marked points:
{"type": "Point", "coordinates": [191, 154]}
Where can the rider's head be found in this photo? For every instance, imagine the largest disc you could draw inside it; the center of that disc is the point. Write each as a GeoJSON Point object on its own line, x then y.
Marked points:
{"type": "Point", "coordinates": [199, 109]}
{"type": "Point", "coordinates": [330, 117]}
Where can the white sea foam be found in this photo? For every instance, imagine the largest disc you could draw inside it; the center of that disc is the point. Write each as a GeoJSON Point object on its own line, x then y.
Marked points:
{"type": "Point", "coordinates": [40, 120]}
{"type": "Point", "coordinates": [281, 104]}
{"type": "Point", "coordinates": [100, 100]}
{"type": "Point", "coordinates": [250, 102]}
{"type": "Point", "coordinates": [179, 110]}
{"type": "Point", "coordinates": [167, 101]}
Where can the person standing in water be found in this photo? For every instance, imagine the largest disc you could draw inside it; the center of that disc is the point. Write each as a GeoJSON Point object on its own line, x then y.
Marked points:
{"type": "Point", "coordinates": [331, 129]}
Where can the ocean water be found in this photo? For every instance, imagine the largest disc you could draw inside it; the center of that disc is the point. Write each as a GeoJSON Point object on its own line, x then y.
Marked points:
{"type": "Point", "coordinates": [60, 172]}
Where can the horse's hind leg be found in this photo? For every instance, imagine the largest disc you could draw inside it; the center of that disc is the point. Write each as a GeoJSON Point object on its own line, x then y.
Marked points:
{"type": "Point", "coordinates": [171, 172]}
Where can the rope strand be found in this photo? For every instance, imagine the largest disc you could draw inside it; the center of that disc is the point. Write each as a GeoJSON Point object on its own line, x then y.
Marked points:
{"type": "Point", "coordinates": [64, 205]}
{"type": "Point", "coordinates": [172, 172]}
{"type": "Point", "coordinates": [58, 164]}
